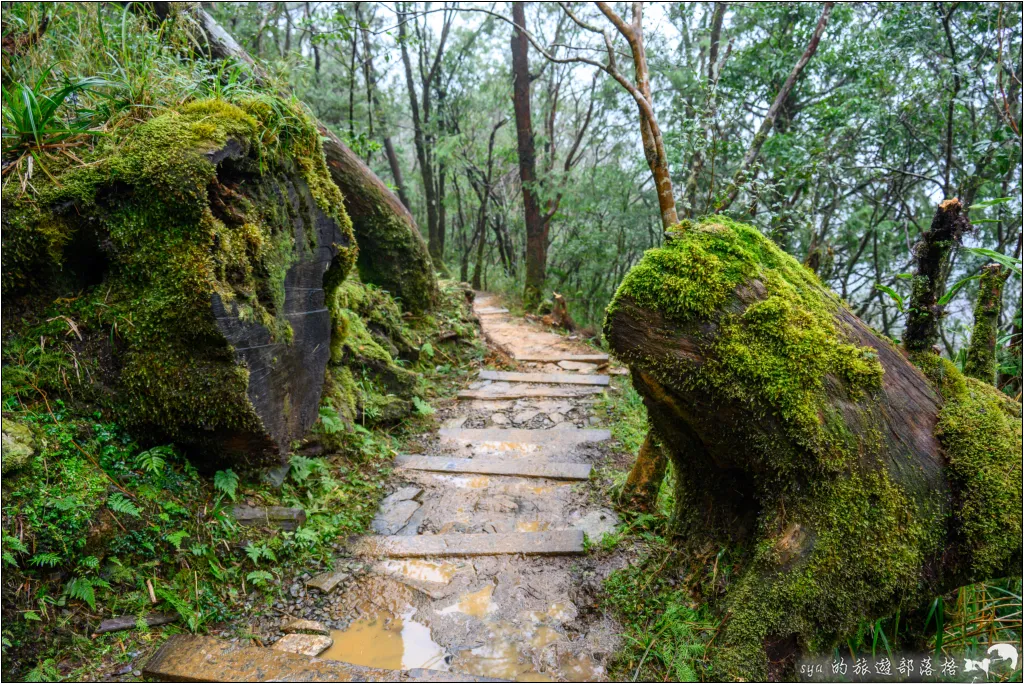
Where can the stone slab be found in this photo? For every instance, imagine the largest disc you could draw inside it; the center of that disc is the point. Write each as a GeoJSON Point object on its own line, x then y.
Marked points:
{"type": "Point", "coordinates": [483, 466]}
{"type": "Point", "coordinates": [303, 644]}
{"type": "Point", "coordinates": [270, 516]}
{"type": "Point", "coordinates": [488, 310]}
{"type": "Point", "coordinates": [581, 366]}
{"type": "Point", "coordinates": [188, 658]}
{"type": "Point", "coordinates": [326, 581]}
{"type": "Point", "coordinates": [392, 518]}
{"type": "Point", "coordinates": [556, 356]}
{"type": "Point", "coordinates": [300, 626]}
{"type": "Point", "coordinates": [553, 438]}
{"type": "Point", "coordinates": [401, 494]}
{"type": "Point", "coordinates": [529, 392]}
{"type": "Point", "coordinates": [556, 543]}
{"type": "Point", "coordinates": [544, 378]}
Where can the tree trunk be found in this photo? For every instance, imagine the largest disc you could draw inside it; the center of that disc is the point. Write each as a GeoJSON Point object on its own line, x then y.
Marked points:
{"type": "Point", "coordinates": [536, 233]}
{"type": "Point", "coordinates": [933, 263]}
{"type": "Point", "coordinates": [389, 147]}
{"type": "Point", "coordinates": [981, 355]}
{"type": "Point", "coordinates": [841, 482]}
{"type": "Point", "coordinates": [392, 253]}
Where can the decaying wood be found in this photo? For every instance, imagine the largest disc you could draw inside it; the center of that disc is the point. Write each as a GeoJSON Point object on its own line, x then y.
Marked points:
{"type": "Point", "coordinates": [270, 516]}
{"type": "Point", "coordinates": [123, 622]}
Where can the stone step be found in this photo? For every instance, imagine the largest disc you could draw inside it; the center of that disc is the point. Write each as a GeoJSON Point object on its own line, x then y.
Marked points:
{"type": "Point", "coordinates": [188, 658]}
{"type": "Point", "coordinates": [556, 543]}
{"type": "Point", "coordinates": [485, 310]}
{"type": "Point", "coordinates": [529, 392]}
{"type": "Point", "coordinates": [555, 357]}
{"type": "Point", "coordinates": [545, 378]}
{"type": "Point", "coordinates": [485, 466]}
{"type": "Point", "coordinates": [552, 439]}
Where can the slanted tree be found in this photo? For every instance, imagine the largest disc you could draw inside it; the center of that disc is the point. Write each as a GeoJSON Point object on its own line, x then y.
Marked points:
{"type": "Point", "coordinates": [840, 481]}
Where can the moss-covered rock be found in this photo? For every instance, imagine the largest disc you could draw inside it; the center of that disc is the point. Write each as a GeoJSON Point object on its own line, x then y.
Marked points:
{"type": "Point", "coordinates": [833, 478]}
{"type": "Point", "coordinates": [205, 243]}
{"type": "Point", "coordinates": [18, 445]}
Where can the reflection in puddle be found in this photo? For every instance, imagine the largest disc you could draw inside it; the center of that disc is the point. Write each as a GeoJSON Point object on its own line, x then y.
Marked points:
{"type": "Point", "coordinates": [477, 604]}
{"type": "Point", "coordinates": [387, 641]}
{"type": "Point", "coordinates": [561, 611]}
{"type": "Point", "coordinates": [424, 571]}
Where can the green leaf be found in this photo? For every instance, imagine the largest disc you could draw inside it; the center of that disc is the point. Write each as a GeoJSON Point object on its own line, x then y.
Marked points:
{"type": "Point", "coordinates": [119, 503]}
{"type": "Point", "coordinates": [896, 297]}
{"type": "Point", "coordinates": [175, 538]}
{"type": "Point", "coordinates": [422, 407]}
{"type": "Point", "coordinates": [32, 616]}
{"type": "Point", "coordinates": [330, 420]}
{"type": "Point", "coordinates": [991, 202]}
{"type": "Point", "coordinates": [1009, 262]}
{"type": "Point", "coordinates": [50, 560]}
{"type": "Point", "coordinates": [227, 482]}
{"type": "Point", "coordinates": [82, 589]}
{"type": "Point", "coordinates": [945, 299]}
{"type": "Point", "coordinates": [427, 349]}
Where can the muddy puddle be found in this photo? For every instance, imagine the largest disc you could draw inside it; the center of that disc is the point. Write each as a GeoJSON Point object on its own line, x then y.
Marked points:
{"type": "Point", "coordinates": [385, 640]}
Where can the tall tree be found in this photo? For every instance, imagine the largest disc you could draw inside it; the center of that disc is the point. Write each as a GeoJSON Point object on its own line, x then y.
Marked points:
{"type": "Point", "coordinates": [536, 226]}
{"type": "Point", "coordinates": [421, 107]}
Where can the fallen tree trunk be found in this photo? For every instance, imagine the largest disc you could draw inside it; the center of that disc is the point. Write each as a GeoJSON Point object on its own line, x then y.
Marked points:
{"type": "Point", "coordinates": [842, 481]}
{"type": "Point", "coordinates": [392, 253]}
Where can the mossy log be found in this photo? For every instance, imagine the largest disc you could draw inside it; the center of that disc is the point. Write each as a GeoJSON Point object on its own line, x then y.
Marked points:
{"type": "Point", "coordinates": [392, 252]}
{"type": "Point", "coordinates": [841, 481]}
{"type": "Point", "coordinates": [194, 259]}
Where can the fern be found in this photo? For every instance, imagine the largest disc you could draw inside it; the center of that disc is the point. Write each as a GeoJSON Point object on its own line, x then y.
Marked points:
{"type": "Point", "coordinates": [302, 467]}
{"type": "Point", "coordinates": [50, 560]}
{"type": "Point", "coordinates": [227, 482]}
{"type": "Point", "coordinates": [175, 538]}
{"type": "Point", "coordinates": [422, 407]}
{"type": "Point", "coordinates": [257, 552]}
{"type": "Point", "coordinates": [330, 420]}
{"type": "Point", "coordinates": [154, 460]}
{"type": "Point", "coordinates": [428, 350]}
{"type": "Point", "coordinates": [181, 607]}
{"type": "Point", "coordinates": [119, 503]}
{"type": "Point", "coordinates": [83, 589]}
{"type": "Point", "coordinates": [259, 578]}
{"type": "Point", "coordinates": [11, 545]}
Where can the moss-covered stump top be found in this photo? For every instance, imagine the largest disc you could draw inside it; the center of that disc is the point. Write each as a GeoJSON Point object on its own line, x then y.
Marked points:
{"type": "Point", "coordinates": [841, 482]}
{"type": "Point", "coordinates": [195, 253]}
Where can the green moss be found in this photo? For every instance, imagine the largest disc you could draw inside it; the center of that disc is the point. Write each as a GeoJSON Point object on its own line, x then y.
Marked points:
{"type": "Point", "coordinates": [174, 235]}
{"type": "Point", "coordinates": [980, 428]}
{"type": "Point", "coordinates": [774, 356]}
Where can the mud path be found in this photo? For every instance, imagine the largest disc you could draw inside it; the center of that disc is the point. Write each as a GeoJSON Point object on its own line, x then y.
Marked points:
{"type": "Point", "coordinates": [477, 566]}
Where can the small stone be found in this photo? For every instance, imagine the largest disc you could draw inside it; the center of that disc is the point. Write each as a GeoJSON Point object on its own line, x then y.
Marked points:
{"type": "Point", "coordinates": [304, 644]}
{"type": "Point", "coordinates": [293, 626]}
{"type": "Point", "coordinates": [499, 419]}
{"type": "Point", "coordinates": [556, 417]}
{"type": "Point", "coordinates": [525, 416]}
{"type": "Point", "coordinates": [295, 590]}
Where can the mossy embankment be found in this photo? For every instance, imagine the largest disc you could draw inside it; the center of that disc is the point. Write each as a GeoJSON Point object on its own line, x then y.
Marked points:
{"type": "Point", "coordinates": [829, 480]}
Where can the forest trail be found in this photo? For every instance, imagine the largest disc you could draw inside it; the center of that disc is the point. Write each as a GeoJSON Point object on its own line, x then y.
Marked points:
{"type": "Point", "coordinates": [476, 567]}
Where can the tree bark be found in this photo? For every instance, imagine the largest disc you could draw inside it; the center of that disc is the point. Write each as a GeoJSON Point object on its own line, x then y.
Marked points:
{"type": "Point", "coordinates": [640, 492]}
{"type": "Point", "coordinates": [536, 227]}
{"type": "Point", "coordinates": [392, 253]}
{"type": "Point", "coordinates": [842, 482]}
{"type": "Point", "coordinates": [933, 263]}
{"type": "Point", "coordinates": [384, 125]}
{"type": "Point", "coordinates": [981, 355]}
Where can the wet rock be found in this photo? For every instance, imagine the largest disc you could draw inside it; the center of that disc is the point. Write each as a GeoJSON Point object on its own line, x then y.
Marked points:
{"type": "Point", "coordinates": [304, 644]}
{"type": "Point", "coordinates": [525, 416]}
{"type": "Point", "coordinates": [295, 626]}
{"type": "Point", "coordinates": [394, 517]}
{"type": "Point", "coordinates": [295, 590]}
{"type": "Point", "coordinates": [327, 581]}
{"type": "Point", "coordinates": [402, 494]}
